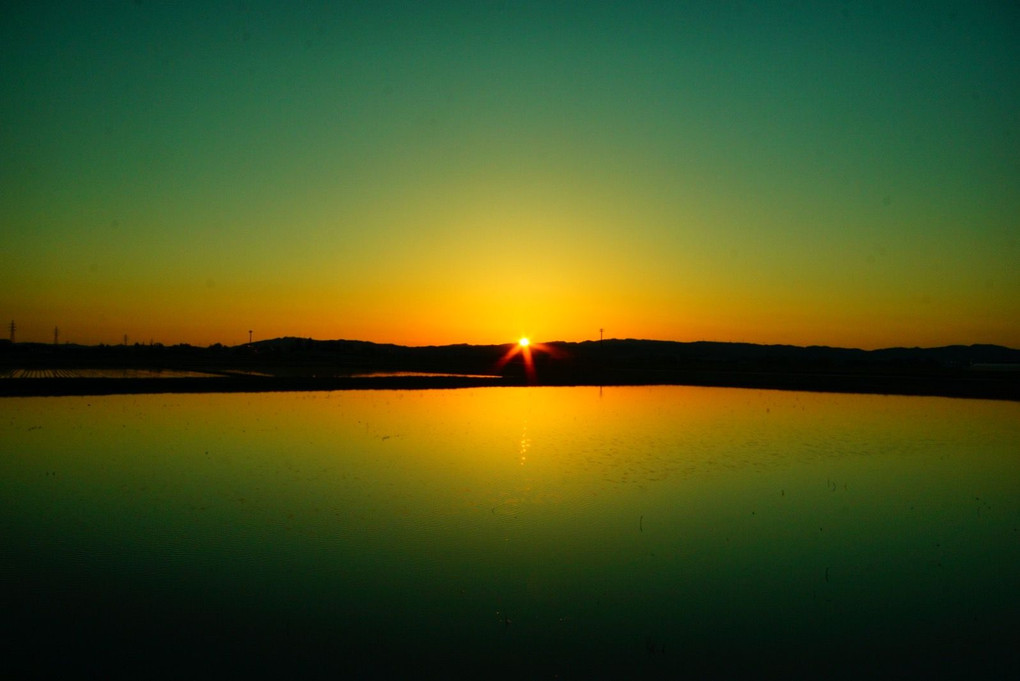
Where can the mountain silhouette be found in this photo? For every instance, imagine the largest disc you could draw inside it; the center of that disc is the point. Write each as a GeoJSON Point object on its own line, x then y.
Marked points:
{"type": "Point", "coordinates": [292, 363]}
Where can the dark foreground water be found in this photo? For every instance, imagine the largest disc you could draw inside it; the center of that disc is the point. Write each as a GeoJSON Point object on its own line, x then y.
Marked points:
{"type": "Point", "coordinates": [531, 533]}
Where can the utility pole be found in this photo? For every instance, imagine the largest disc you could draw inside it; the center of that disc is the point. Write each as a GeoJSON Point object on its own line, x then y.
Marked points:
{"type": "Point", "coordinates": [602, 361]}
{"type": "Point", "coordinates": [125, 339]}
{"type": "Point", "coordinates": [12, 332]}
{"type": "Point", "coordinates": [56, 335]}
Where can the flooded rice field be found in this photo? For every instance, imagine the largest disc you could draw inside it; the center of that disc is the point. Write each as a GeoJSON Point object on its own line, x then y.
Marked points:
{"type": "Point", "coordinates": [530, 532]}
{"type": "Point", "coordinates": [102, 373]}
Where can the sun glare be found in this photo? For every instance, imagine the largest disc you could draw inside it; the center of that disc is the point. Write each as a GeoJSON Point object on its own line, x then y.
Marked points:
{"type": "Point", "coordinates": [525, 348]}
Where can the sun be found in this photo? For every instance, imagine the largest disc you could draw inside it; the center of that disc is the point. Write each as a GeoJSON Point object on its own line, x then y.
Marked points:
{"type": "Point", "coordinates": [526, 349]}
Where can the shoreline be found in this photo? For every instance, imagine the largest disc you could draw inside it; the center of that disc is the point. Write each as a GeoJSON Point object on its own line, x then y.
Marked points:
{"type": "Point", "coordinates": [993, 386]}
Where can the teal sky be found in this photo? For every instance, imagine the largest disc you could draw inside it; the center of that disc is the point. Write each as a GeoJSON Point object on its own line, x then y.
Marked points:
{"type": "Point", "coordinates": [841, 173]}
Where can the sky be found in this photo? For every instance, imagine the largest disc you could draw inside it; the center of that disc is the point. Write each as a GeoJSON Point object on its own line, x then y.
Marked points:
{"type": "Point", "coordinates": [814, 173]}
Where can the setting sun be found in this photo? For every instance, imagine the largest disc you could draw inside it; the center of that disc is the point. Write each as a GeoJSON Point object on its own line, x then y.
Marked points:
{"type": "Point", "coordinates": [524, 342]}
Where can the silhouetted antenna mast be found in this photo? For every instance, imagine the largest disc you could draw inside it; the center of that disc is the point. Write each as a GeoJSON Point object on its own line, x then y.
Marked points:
{"type": "Point", "coordinates": [249, 336]}
{"type": "Point", "coordinates": [125, 339]}
{"type": "Point", "coordinates": [56, 335]}
{"type": "Point", "coordinates": [601, 361]}
{"type": "Point", "coordinates": [12, 331]}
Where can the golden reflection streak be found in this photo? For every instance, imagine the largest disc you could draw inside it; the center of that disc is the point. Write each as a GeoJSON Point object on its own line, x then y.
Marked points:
{"type": "Point", "coordinates": [525, 443]}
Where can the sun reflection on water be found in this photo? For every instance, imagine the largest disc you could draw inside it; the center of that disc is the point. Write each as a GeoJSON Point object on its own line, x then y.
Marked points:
{"type": "Point", "coordinates": [525, 443]}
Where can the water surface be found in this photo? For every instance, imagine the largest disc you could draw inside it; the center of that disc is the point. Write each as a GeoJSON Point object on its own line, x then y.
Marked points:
{"type": "Point", "coordinates": [532, 532]}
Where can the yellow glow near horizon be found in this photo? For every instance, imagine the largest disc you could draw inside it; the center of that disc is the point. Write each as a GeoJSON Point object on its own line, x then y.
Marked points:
{"type": "Point", "coordinates": [524, 342]}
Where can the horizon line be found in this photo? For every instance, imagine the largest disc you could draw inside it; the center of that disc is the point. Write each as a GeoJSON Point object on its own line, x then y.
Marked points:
{"type": "Point", "coordinates": [154, 343]}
